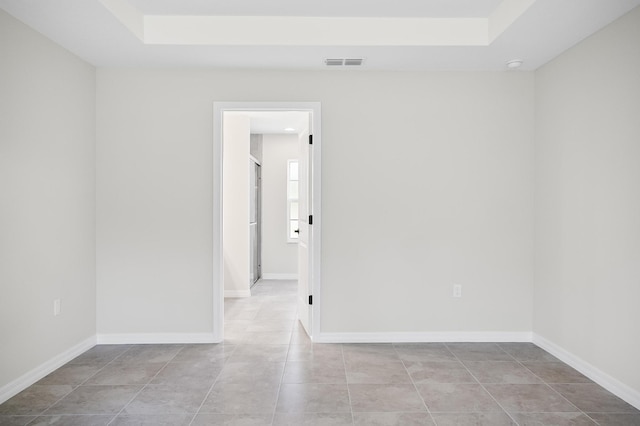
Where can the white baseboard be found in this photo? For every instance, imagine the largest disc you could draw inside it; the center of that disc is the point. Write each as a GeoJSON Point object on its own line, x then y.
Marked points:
{"type": "Point", "coordinates": [154, 338]}
{"type": "Point", "coordinates": [237, 293]}
{"type": "Point", "coordinates": [279, 276]}
{"type": "Point", "coordinates": [420, 337]}
{"type": "Point", "coordinates": [613, 385]}
{"type": "Point", "coordinates": [29, 378]}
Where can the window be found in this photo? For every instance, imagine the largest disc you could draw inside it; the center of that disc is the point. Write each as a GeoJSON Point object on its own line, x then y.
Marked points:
{"type": "Point", "coordinates": [292, 201]}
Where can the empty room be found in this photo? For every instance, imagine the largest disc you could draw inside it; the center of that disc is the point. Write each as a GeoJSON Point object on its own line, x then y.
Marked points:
{"type": "Point", "coordinates": [447, 232]}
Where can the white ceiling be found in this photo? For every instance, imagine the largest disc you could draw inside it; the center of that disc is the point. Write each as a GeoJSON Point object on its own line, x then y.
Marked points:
{"type": "Point", "coordinates": [275, 122]}
{"type": "Point", "coordinates": [540, 31]}
{"type": "Point", "coordinates": [395, 8]}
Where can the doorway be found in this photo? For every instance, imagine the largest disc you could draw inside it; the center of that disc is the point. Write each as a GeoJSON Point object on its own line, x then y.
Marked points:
{"type": "Point", "coordinates": [309, 300]}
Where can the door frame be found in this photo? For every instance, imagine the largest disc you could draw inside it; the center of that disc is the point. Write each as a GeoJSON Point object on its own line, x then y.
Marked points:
{"type": "Point", "coordinates": [219, 108]}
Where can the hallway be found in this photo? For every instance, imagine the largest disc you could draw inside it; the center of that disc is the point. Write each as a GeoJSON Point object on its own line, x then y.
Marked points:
{"type": "Point", "coordinates": [269, 316]}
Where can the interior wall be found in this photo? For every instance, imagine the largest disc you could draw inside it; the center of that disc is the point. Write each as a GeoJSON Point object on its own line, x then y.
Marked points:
{"type": "Point", "coordinates": [235, 202]}
{"type": "Point", "coordinates": [47, 200]}
{"type": "Point", "coordinates": [587, 259]}
{"type": "Point", "coordinates": [279, 258]}
{"type": "Point", "coordinates": [154, 210]}
{"type": "Point", "coordinates": [255, 146]}
{"type": "Point", "coordinates": [427, 182]}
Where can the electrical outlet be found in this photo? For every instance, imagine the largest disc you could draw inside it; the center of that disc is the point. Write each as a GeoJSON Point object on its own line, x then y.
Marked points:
{"type": "Point", "coordinates": [457, 290]}
{"type": "Point", "coordinates": [56, 307]}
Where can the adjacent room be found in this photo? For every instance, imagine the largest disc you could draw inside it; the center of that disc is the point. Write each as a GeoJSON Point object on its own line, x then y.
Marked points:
{"type": "Point", "coordinates": [444, 229]}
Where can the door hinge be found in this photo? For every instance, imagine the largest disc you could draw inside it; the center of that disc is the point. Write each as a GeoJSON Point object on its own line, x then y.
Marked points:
{"type": "Point", "coordinates": [310, 219]}
{"type": "Point", "coordinates": [310, 139]}
{"type": "Point", "coordinates": [310, 299]}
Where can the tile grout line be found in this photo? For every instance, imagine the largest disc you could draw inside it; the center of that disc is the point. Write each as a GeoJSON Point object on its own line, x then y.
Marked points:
{"type": "Point", "coordinates": [551, 387]}
{"type": "Point", "coordinates": [193, 418]}
{"type": "Point", "coordinates": [346, 380]}
{"type": "Point", "coordinates": [415, 386]}
{"type": "Point", "coordinates": [105, 366]}
{"type": "Point", "coordinates": [43, 412]}
{"type": "Point", "coordinates": [144, 386]}
{"type": "Point", "coordinates": [284, 367]}
{"type": "Point", "coordinates": [482, 385]}
{"type": "Point", "coordinates": [275, 407]}
{"type": "Point", "coordinates": [565, 398]}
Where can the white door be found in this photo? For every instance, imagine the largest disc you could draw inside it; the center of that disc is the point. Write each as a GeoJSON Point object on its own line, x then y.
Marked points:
{"type": "Point", "coordinates": [304, 210]}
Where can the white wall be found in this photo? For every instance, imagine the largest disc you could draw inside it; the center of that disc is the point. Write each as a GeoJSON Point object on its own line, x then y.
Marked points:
{"type": "Point", "coordinates": [279, 258]}
{"type": "Point", "coordinates": [255, 146]}
{"type": "Point", "coordinates": [427, 181]}
{"type": "Point", "coordinates": [47, 200]}
{"type": "Point", "coordinates": [154, 210]}
{"type": "Point", "coordinates": [235, 202]}
{"type": "Point", "coordinates": [587, 263]}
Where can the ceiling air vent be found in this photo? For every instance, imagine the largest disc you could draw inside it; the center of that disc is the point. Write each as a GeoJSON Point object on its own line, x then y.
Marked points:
{"type": "Point", "coordinates": [334, 62]}
{"type": "Point", "coordinates": [339, 62]}
{"type": "Point", "coordinates": [353, 62]}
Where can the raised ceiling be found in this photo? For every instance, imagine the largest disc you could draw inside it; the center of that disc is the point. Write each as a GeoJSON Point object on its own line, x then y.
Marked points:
{"type": "Point", "coordinates": [300, 34]}
{"type": "Point", "coordinates": [354, 8]}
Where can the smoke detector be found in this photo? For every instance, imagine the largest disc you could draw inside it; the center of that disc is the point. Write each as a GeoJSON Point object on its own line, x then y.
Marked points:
{"type": "Point", "coordinates": [514, 64]}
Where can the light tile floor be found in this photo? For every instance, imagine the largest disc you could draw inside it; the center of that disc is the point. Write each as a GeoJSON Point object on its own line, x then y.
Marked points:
{"type": "Point", "coordinates": [268, 373]}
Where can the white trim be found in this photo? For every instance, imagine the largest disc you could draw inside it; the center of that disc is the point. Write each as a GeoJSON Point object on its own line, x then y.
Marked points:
{"type": "Point", "coordinates": [155, 338]}
{"type": "Point", "coordinates": [29, 378]}
{"type": "Point", "coordinates": [426, 337]}
{"type": "Point", "coordinates": [291, 200]}
{"type": "Point", "coordinates": [237, 293]}
{"type": "Point", "coordinates": [218, 263]}
{"type": "Point", "coordinates": [277, 276]}
{"type": "Point", "coordinates": [316, 231]}
{"type": "Point", "coordinates": [613, 385]}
